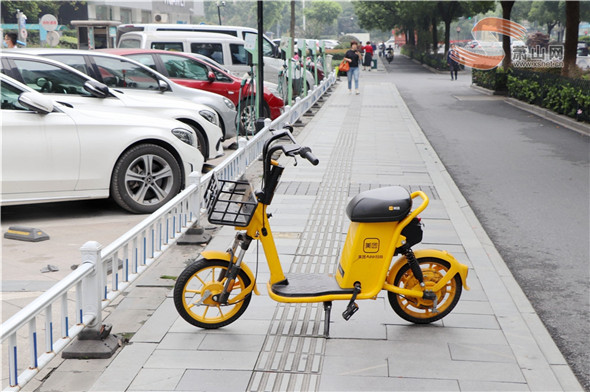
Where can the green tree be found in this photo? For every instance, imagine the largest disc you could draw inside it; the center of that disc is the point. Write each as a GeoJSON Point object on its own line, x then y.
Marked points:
{"type": "Point", "coordinates": [32, 9]}
{"type": "Point", "coordinates": [549, 13]}
{"type": "Point", "coordinates": [64, 11]}
{"type": "Point", "coordinates": [243, 13]}
{"type": "Point", "coordinates": [520, 11]}
{"type": "Point", "coordinates": [451, 10]}
{"type": "Point", "coordinates": [320, 15]}
{"type": "Point", "coordinates": [381, 15]}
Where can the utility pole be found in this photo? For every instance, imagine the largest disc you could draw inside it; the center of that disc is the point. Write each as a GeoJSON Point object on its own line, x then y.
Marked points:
{"type": "Point", "coordinates": [260, 69]}
{"type": "Point", "coordinates": [219, 5]}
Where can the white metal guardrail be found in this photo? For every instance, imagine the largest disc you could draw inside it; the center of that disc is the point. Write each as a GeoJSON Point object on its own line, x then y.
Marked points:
{"type": "Point", "coordinates": [90, 288]}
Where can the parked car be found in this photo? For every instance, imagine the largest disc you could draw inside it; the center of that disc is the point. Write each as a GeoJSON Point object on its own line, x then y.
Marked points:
{"type": "Point", "coordinates": [58, 152]}
{"type": "Point", "coordinates": [188, 70]}
{"type": "Point", "coordinates": [96, 64]}
{"type": "Point", "coordinates": [583, 48]}
{"type": "Point", "coordinates": [226, 49]}
{"type": "Point", "coordinates": [330, 43]}
{"type": "Point", "coordinates": [271, 52]}
{"type": "Point", "coordinates": [269, 49]}
{"type": "Point", "coordinates": [69, 85]}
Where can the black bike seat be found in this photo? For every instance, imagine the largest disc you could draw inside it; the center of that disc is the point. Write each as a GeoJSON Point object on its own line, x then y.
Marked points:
{"type": "Point", "coordinates": [388, 204]}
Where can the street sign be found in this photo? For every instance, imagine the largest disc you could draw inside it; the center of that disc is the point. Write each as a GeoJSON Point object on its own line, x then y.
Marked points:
{"type": "Point", "coordinates": [251, 47]}
{"type": "Point", "coordinates": [52, 38]}
{"type": "Point", "coordinates": [48, 22]}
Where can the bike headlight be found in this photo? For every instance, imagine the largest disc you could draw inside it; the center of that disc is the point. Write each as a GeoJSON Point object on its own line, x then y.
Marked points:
{"type": "Point", "coordinates": [209, 116]}
{"type": "Point", "coordinates": [184, 135]}
{"type": "Point", "coordinates": [229, 104]}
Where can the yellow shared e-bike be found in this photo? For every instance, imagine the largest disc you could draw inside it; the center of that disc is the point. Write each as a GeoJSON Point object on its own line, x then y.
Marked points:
{"type": "Point", "coordinates": [423, 285]}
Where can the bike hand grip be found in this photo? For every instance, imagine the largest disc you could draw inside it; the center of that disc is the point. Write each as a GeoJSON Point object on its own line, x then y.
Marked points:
{"type": "Point", "coordinates": [307, 154]}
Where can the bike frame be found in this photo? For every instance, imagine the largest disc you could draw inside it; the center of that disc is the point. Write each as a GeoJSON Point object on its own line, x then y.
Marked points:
{"type": "Point", "coordinates": [259, 229]}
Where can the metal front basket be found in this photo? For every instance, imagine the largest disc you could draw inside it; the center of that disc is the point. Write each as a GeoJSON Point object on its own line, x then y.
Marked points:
{"type": "Point", "coordinates": [230, 203]}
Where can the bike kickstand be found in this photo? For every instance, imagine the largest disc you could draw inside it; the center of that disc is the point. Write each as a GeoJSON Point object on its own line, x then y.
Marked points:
{"type": "Point", "coordinates": [327, 310]}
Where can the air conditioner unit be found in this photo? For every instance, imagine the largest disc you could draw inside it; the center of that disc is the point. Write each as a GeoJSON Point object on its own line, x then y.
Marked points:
{"type": "Point", "coordinates": [161, 18]}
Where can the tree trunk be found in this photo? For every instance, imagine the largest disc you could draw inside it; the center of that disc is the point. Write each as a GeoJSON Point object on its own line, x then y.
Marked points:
{"type": "Point", "coordinates": [447, 35]}
{"type": "Point", "coordinates": [434, 36]}
{"type": "Point", "coordinates": [413, 35]}
{"type": "Point", "coordinates": [550, 27]}
{"type": "Point", "coordinates": [572, 21]}
{"type": "Point", "coordinates": [506, 11]}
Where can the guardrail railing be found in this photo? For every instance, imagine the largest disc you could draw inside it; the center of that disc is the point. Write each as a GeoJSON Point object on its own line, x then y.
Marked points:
{"type": "Point", "coordinates": [91, 289]}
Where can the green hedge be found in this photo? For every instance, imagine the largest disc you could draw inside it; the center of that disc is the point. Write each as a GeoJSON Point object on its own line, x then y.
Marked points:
{"type": "Point", "coordinates": [494, 80]}
{"type": "Point", "coordinates": [435, 61]}
{"type": "Point", "coordinates": [337, 54]}
{"type": "Point", "coordinates": [567, 96]}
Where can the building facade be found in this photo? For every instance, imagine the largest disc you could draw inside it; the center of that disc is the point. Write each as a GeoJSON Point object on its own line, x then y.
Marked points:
{"type": "Point", "coordinates": [157, 11]}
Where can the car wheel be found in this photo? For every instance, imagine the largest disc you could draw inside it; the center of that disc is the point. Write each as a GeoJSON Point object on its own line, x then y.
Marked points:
{"type": "Point", "coordinates": [145, 178]}
{"type": "Point", "coordinates": [248, 115]}
{"type": "Point", "coordinates": [201, 141]}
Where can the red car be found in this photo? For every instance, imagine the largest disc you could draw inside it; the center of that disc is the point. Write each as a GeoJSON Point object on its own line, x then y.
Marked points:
{"type": "Point", "coordinates": [192, 71]}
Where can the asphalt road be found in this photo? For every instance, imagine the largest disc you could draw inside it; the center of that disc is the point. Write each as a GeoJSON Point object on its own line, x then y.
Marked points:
{"type": "Point", "coordinates": [527, 179]}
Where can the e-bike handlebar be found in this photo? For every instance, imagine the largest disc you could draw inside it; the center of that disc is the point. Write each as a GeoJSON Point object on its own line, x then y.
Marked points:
{"type": "Point", "coordinates": [272, 170]}
{"type": "Point", "coordinates": [306, 153]}
{"type": "Point", "coordinates": [289, 150]}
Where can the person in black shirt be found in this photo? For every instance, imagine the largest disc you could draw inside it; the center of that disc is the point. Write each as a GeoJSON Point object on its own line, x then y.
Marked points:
{"type": "Point", "coordinates": [453, 64]}
{"type": "Point", "coordinates": [353, 57]}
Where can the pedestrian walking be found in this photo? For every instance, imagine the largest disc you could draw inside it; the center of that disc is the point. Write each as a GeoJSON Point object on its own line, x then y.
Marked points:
{"type": "Point", "coordinates": [381, 49]}
{"type": "Point", "coordinates": [353, 56]}
{"type": "Point", "coordinates": [452, 62]}
{"type": "Point", "coordinates": [368, 48]}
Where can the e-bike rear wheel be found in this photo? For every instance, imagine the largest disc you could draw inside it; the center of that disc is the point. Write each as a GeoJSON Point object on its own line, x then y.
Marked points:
{"type": "Point", "coordinates": [419, 310]}
{"type": "Point", "coordinates": [199, 284]}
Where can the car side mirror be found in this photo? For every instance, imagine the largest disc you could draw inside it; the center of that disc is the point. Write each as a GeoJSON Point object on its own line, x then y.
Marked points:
{"type": "Point", "coordinates": [211, 76]}
{"type": "Point", "coordinates": [163, 85]}
{"type": "Point", "coordinates": [97, 89]}
{"type": "Point", "coordinates": [36, 102]}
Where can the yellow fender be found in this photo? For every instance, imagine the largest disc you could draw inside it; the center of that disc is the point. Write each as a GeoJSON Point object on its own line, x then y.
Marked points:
{"type": "Point", "coordinates": [215, 254]}
{"type": "Point", "coordinates": [456, 267]}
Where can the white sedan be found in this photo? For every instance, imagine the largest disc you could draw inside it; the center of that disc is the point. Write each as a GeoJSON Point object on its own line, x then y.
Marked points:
{"type": "Point", "coordinates": [66, 84]}
{"type": "Point", "coordinates": [57, 152]}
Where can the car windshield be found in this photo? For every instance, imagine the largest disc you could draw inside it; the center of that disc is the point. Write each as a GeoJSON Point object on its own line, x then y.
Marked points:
{"type": "Point", "coordinates": [76, 62]}
{"type": "Point", "coordinates": [184, 68]}
{"type": "Point", "coordinates": [121, 73]}
{"type": "Point", "coordinates": [49, 78]}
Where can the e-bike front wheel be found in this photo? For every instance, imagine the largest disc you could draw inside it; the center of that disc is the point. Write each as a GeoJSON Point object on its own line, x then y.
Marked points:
{"type": "Point", "coordinates": [199, 284]}
{"type": "Point", "coordinates": [419, 310]}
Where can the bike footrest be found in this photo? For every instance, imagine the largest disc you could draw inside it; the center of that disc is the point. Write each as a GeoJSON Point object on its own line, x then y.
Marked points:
{"type": "Point", "coordinates": [350, 310]}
